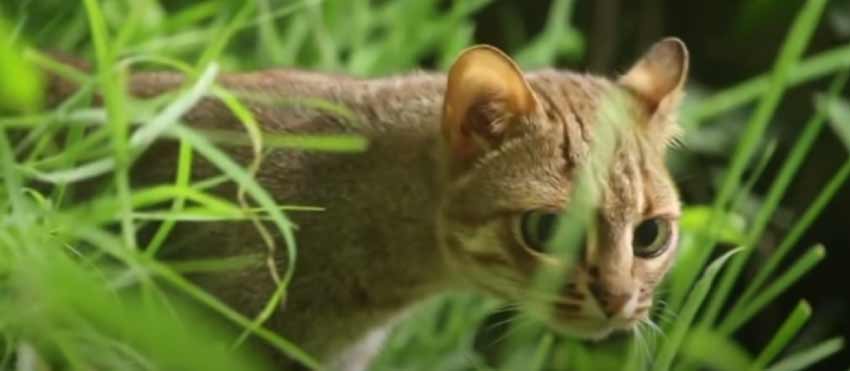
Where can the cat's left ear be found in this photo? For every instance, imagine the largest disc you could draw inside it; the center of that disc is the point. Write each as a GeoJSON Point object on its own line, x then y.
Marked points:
{"type": "Point", "coordinates": [659, 76]}
{"type": "Point", "coordinates": [486, 95]}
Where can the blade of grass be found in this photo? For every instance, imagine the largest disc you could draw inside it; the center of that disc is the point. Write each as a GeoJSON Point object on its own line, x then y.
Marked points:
{"type": "Point", "coordinates": [675, 337]}
{"type": "Point", "coordinates": [231, 263]}
{"type": "Point", "coordinates": [839, 113]}
{"type": "Point", "coordinates": [738, 317]}
{"type": "Point", "coordinates": [771, 202]}
{"type": "Point", "coordinates": [808, 357]}
{"type": "Point", "coordinates": [184, 168]}
{"type": "Point", "coordinates": [114, 97]}
{"type": "Point", "coordinates": [147, 133]}
{"type": "Point", "coordinates": [207, 299]}
{"type": "Point", "coordinates": [824, 197]}
{"type": "Point", "coordinates": [105, 241]}
{"type": "Point", "coordinates": [244, 179]}
{"type": "Point", "coordinates": [712, 351]}
{"type": "Point", "coordinates": [267, 33]}
{"type": "Point", "coordinates": [225, 33]}
{"type": "Point", "coordinates": [798, 317]}
{"type": "Point", "coordinates": [755, 174]}
{"type": "Point", "coordinates": [811, 68]}
{"type": "Point", "coordinates": [325, 143]}
{"type": "Point", "coordinates": [556, 38]}
{"type": "Point", "coordinates": [10, 178]}
{"type": "Point", "coordinates": [538, 361]}
{"type": "Point", "coordinates": [793, 47]}
{"type": "Point", "coordinates": [142, 138]}
{"type": "Point", "coordinates": [65, 71]}
{"type": "Point", "coordinates": [191, 14]}
{"type": "Point", "coordinates": [104, 209]}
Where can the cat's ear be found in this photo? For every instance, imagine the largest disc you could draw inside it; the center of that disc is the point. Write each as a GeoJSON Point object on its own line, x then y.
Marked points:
{"type": "Point", "coordinates": [659, 76]}
{"type": "Point", "coordinates": [486, 94]}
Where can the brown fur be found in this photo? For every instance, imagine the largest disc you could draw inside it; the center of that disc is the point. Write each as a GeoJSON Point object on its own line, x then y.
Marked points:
{"type": "Point", "coordinates": [433, 203]}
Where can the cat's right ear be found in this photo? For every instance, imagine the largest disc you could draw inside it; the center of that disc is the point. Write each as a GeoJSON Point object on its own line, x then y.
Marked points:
{"type": "Point", "coordinates": [659, 76]}
{"type": "Point", "coordinates": [485, 95]}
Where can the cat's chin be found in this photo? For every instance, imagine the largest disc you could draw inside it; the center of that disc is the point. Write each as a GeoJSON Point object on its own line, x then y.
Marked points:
{"type": "Point", "coordinates": [590, 329]}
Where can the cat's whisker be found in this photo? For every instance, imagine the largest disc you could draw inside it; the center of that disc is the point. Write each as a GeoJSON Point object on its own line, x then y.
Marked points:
{"type": "Point", "coordinates": [501, 323]}
{"type": "Point", "coordinates": [663, 312]}
{"type": "Point", "coordinates": [663, 318]}
{"type": "Point", "coordinates": [651, 325]}
{"type": "Point", "coordinates": [520, 323]}
{"type": "Point", "coordinates": [510, 307]}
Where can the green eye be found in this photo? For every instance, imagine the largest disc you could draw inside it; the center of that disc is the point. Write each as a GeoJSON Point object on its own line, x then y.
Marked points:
{"type": "Point", "coordinates": [651, 238]}
{"type": "Point", "coordinates": [537, 228]}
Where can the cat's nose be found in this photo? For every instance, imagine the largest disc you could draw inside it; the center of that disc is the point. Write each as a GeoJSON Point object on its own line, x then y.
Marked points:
{"type": "Point", "coordinates": [610, 303]}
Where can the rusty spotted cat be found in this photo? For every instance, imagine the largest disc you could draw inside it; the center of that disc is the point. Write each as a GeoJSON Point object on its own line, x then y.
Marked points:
{"type": "Point", "coordinates": [460, 189]}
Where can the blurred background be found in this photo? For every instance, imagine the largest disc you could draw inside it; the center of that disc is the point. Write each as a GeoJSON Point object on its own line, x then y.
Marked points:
{"type": "Point", "coordinates": [730, 41]}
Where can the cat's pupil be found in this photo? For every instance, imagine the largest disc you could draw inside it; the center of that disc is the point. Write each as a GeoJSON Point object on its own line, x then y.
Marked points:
{"type": "Point", "coordinates": [546, 227]}
{"type": "Point", "coordinates": [538, 228]}
{"type": "Point", "coordinates": [646, 233]}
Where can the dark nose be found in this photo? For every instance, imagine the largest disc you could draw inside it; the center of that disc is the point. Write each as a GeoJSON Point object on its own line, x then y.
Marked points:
{"type": "Point", "coordinates": [610, 303]}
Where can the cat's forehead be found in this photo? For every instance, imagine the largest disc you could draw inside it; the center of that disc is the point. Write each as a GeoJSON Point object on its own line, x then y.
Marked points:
{"type": "Point", "coordinates": [565, 95]}
{"type": "Point", "coordinates": [638, 185]}
{"type": "Point", "coordinates": [636, 181]}
{"type": "Point", "coordinates": [587, 110]}
{"type": "Point", "coordinates": [538, 169]}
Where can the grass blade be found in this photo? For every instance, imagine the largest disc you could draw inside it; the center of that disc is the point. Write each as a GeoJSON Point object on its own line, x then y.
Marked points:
{"type": "Point", "coordinates": [795, 43]}
{"type": "Point", "coordinates": [812, 68]}
{"type": "Point", "coordinates": [808, 357]}
{"type": "Point", "coordinates": [771, 202]}
{"type": "Point", "coordinates": [839, 112]}
{"type": "Point", "coordinates": [823, 198]}
{"type": "Point", "coordinates": [184, 168]}
{"type": "Point", "coordinates": [538, 361]}
{"type": "Point", "coordinates": [801, 314]}
{"type": "Point", "coordinates": [670, 347]}
{"type": "Point", "coordinates": [10, 177]}
{"type": "Point", "coordinates": [737, 318]}
{"type": "Point", "coordinates": [112, 83]}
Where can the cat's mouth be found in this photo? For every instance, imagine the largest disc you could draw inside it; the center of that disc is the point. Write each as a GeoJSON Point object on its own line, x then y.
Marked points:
{"type": "Point", "coordinates": [591, 327]}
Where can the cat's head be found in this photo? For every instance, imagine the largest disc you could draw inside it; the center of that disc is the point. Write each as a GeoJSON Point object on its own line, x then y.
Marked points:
{"type": "Point", "coordinates": [513, 145]}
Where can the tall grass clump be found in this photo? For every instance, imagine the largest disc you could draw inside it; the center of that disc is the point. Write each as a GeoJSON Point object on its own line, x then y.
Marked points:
{"type": "Point", "coordinates": [77, 289]}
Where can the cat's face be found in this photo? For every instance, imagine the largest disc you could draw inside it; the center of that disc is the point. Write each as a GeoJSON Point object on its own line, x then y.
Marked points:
{"type": "Point", "coordinates": [514, 145]}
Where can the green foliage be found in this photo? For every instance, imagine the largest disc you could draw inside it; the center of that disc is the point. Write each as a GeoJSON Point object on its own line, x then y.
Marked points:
{"type": "Point", "coordinates": [21, 87]}
{"type": "Point", "coordinates": [74, 290]}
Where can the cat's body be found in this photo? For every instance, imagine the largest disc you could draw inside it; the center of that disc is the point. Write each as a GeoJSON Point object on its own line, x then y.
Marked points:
{"type": "Point", "coordinates": [433, 203]}
{"type": "Point", "coordinates": [372, 251]}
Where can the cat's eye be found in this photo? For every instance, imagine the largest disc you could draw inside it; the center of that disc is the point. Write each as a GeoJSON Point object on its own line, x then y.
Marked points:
{"type": "Point", "coordinates": [651, 237]}
{"type": "Point", "coordinates": [537, 228]}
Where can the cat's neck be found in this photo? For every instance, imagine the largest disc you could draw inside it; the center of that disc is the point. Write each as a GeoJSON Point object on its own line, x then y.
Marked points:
{"type": "Point", "coordinates": [379, 204]}
{"type": "Point", "coordinates": [372, 252]}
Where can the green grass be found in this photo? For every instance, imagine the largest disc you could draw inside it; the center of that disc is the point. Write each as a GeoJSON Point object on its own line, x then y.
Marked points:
{"type": "Point", "coordinates": [69, 282]}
